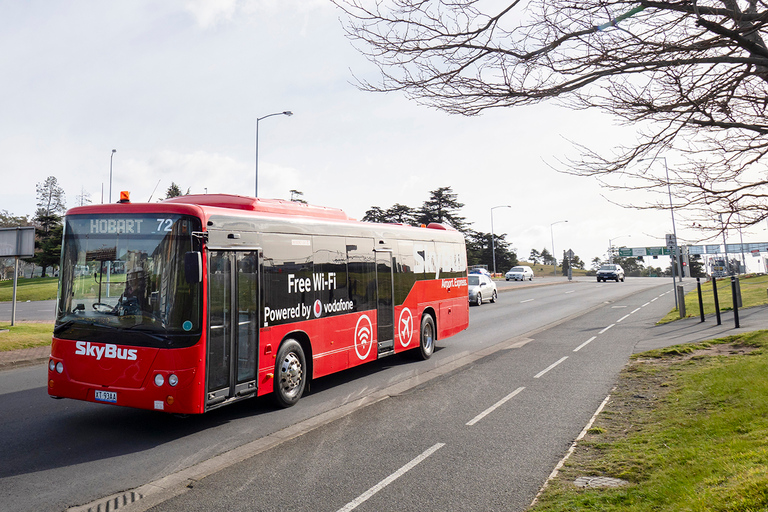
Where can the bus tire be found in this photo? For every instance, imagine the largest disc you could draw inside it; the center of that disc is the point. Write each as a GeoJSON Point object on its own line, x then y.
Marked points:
{"type": "Point", "coordinates": [427, 337]}
{"type": "Point", "coordinates": [290, 373]}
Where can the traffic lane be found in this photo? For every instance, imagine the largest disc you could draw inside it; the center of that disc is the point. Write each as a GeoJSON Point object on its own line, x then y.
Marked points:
{"type": "Point", "coordinates": [484, 437]}
{"type": "Point", "coordinates": [93, 436]}
{"type": "Point", "coordinates": [29, 311]}
{"type": "Point", "coordinates": [523, 311]}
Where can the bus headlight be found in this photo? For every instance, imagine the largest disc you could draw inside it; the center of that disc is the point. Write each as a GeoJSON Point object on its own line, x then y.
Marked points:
{"type": "Point", "coordinates": [159, 380]}
{"type": "Point", "coordinates": [60, 367]}
{"type": "Point", "coordinates": [173, 379]}
{"type": "Point", "coordinates": [51, 365]}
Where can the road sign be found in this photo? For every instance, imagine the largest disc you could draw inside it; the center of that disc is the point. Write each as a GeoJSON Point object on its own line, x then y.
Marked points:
{"type": "Point", "coordinates": [671, 242]}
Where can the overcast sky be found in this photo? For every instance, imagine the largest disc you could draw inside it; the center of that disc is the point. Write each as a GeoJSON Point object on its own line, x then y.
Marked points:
{"type": "Point", "coordinates": [176, 86]}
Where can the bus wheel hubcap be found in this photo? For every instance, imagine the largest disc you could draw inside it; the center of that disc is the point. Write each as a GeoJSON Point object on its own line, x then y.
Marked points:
{"type": "Point", "coordinates": [291, 374]}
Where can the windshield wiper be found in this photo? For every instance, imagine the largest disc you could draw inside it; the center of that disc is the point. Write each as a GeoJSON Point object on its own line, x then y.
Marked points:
{"type": "Point", "coordinates": [147, 332]}
{"type": "Point", "coordinates": [63, 327]}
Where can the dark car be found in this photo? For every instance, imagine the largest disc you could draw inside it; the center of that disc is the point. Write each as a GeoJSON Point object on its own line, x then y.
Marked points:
{"type": "Point", "coordinates": [612, 271]}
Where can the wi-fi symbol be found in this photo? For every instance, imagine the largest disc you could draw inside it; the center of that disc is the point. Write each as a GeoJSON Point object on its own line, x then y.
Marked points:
{"type": "Point", "coordinates": [364, 334]}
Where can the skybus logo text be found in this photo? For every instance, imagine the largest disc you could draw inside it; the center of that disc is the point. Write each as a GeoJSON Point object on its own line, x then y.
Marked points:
{"type": "Point", "coordinates": [107, 351]}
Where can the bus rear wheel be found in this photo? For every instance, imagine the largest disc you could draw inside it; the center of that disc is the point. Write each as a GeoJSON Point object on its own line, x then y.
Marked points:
{"type": "Point", "coordinates": [427, 337]}
{"type": "Point", "coordinates": [290, 373]}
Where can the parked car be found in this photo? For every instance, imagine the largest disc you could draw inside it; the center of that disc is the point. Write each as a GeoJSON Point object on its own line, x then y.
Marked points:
{"type": "Point", "coordinates": [520, 273]}
{"type": "Point", "coordinates": [612, 272]}
{"type": "Point", "coordinates": [481, 289]}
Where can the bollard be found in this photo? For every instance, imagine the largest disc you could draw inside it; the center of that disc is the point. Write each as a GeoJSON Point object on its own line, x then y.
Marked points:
{"type": "Point", "coordinates": [681, 300]}
{"type": "Point", "coordinates": [717, 303]}
{"type": "Point", "coordinates": [701, 302]}
{"type": "Point", "coordinates": [734, 285]}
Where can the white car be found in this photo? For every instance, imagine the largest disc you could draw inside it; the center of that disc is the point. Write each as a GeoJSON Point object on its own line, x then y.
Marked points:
{"type": "Point", "coordinates": [481, 289]}
{"type": "Point", "coordinates": [520, 273]}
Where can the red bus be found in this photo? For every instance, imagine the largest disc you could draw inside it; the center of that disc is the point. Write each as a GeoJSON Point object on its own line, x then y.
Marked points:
{"type": "Point", "coordinates": [199, 301]}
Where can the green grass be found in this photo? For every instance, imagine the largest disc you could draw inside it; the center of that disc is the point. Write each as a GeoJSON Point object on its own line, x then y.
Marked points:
{"type": "Point", "coordinates": [687, 427]}
{"type": "Point", "coordinates": [754, 292]}
{"type": "Point", "coordinates": [36, 288]}
{"type": "Point", "coordinates": [25, 335]}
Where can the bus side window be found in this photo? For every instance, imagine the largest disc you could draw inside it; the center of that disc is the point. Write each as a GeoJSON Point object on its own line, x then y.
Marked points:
{"type": "Point", "coordinates": [330, 268]}
{"type": "Point", "coordinates": [405, 277]}
{"type": "Point", "coordinates": [287, 273]}
{"type": "Point", "coordinates": [362, 273]}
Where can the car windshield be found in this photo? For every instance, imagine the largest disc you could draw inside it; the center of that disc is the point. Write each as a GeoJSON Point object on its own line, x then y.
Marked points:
{"type": "Point", "coordinates": [126, 275]}
{"type": "Point", "coordinates": [518, 269]}
{"type": "Point", "coordinates": [608, 267]}
{"type": "Point", "coordinates": [474, 280]}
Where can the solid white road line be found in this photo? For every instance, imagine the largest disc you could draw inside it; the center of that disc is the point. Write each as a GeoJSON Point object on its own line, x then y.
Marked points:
{"type": "Point", "coordinates": [391, 478]}
{"type": "Point", "coordinates": [585, 344]}
{"type": "Point", "coordinates": [493, 407]}
{"type": "Point", "coordinates": [542, 372]}
{"type": "Point", "coordinates": [527, 300]}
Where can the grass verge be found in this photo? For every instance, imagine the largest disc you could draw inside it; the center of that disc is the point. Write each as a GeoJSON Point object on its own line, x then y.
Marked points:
{"type": "Point", "coordinates": [754, 292]}
{"type": "Point", "coordinates": [686, 428]}
{"type": "Point", "coordinates": [37, 288]}
{"type": "Point", "coordinates": [25, 335]}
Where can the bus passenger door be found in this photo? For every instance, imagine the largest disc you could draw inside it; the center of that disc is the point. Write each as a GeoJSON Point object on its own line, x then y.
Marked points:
{"type": "Point", "coordinates": [385, 305]}
{"type": "Point", "coordinates": [233, 324]}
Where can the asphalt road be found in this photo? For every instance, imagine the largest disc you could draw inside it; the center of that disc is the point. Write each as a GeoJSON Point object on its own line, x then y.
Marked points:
{"type": "Point", "coordinates": [67, 453]}
{"type": "Point", "coordinates": [29, 311]}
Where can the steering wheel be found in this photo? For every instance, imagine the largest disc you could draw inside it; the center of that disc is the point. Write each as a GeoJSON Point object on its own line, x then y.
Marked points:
{"type": "Point", "coordinates": [103, 308]}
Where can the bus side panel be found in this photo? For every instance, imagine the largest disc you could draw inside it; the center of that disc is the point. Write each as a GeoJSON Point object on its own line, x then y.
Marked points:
{"type": "Point", "coordinates": [447, 297]}
{"type": "Point", "coordinates": [338, 342]}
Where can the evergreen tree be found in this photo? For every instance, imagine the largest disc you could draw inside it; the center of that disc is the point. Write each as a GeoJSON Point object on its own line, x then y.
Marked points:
{"type": "Point", "coordinates": [51, 206]}
{"type": "Point", "coordinates": [443, 207]}
{"type": "Point", "coordinates": [401, 214]}
{"type": "Point", "coordinates": [173, 191]}
{"type": "Point", "coordinates": [546, 257]}
{"type": "Point", "coordinates": [375, 214]}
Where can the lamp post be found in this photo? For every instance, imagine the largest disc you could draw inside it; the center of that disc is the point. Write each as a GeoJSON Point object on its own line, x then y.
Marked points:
{"type": "Point", "coordinates": [285, 113]}
{"type": "Point", "coordinates": [110, 176]}
{"type": "Point", "coordinates": [493, 246]}
{"type": "Point", "coordinates": [674, 229]}
{"type": "Point", "coordinates": [610, 246]}
{"type": "Point", "coordinates": [552, 234]}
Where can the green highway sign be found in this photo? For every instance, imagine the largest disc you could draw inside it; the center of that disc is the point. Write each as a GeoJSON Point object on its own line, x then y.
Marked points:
{"type": "Point", "coordinates": [628, 252]}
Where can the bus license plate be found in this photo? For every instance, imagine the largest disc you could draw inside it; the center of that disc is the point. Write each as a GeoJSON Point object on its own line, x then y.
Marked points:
{"type": "Point", "coordinates": [106, 396]}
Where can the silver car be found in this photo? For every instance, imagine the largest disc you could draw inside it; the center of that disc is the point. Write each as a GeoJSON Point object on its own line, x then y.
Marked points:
{"type": "Point", "coordinates": [520, 273]}
{"type": "Point", "coordinates": [481, 289]}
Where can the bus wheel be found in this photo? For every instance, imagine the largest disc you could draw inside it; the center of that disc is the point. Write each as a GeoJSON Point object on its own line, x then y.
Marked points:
{"type": "Point", "coordinates": [427, 338]}
{"type": "Point", "coordinates": [290, 373]}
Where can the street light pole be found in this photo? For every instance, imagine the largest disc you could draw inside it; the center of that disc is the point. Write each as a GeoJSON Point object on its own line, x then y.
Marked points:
{"type": "Point", "coordinates": [493, 246]}
{"type": "Point", "coordinates": [674, 229]}
{"type": "Point", "coordinates": [110, 176]}
{"type": "Point", "coordinates": [610, 246]}
{"type": "Point", "coordinates": [285, 113]}
{"type": "Point", "coordinates": [552, 234]}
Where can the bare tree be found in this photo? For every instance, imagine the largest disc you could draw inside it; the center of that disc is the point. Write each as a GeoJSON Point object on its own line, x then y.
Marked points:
{"type": "Point", "coordinates": [689, 75]}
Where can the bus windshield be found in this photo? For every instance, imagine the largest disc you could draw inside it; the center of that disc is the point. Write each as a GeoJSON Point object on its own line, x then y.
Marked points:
{"type": "Point", "coordinates": [122, 280]}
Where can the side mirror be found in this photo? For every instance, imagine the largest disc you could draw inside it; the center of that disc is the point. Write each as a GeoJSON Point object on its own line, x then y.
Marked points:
{"type": "Point", "coordinates": [193, 267]}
